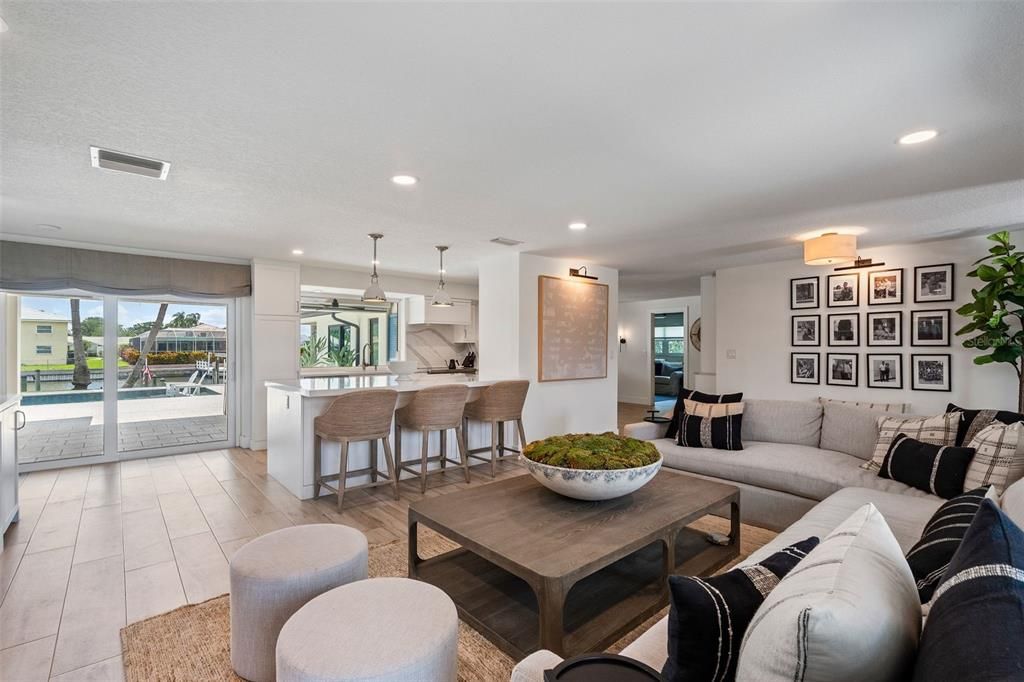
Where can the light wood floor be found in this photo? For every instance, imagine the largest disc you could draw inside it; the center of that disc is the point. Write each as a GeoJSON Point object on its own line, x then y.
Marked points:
{"type": "Point", "coordinates": [104, 545]}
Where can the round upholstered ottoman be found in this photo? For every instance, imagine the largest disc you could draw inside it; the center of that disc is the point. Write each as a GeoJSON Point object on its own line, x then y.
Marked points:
{"type": "Point", "coordinates": [380, 629]}
{"type": "Point", "coordinates": [273, 576]}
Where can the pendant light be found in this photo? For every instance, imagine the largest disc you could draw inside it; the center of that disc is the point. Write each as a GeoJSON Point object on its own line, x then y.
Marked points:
{"type": "Point", "coordinates": [374, 293]}
{"type": "Point", "coordinates": [441, 297]}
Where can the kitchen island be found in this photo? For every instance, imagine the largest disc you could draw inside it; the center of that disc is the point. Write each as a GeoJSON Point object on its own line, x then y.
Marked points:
{"type": "Point", "coordinates": [292, 404]}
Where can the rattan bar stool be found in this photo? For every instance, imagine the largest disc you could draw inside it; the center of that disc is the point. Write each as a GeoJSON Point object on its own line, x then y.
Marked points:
{"type": "Point", "coordinates": [353, 417]}
{"type": "Point", "coordinates": [435, 408]}
{"type": "Point", "coordinates": [499, 403]}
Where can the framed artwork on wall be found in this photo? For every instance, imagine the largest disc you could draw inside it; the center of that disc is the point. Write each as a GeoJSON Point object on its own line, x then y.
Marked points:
{"type": "Point", "coordinates": [844, 329]}
{"type": "Point", "coordinates": [929, 327]}
{"type": "Point", "coordinates": [804, 368]}
{"type": "Point", "coordinates": [843, 291]}
{"type": "Point", "coordinates": [885, 287]}
{"type": "Point", "coordinates": [934, 283]}
{"type": "Point", "coordinates": [931, 372]}
{"type": "Point", "coordinates": [806, 330]}
{"type": "Point", "coordinates": [572, 338]}
{"type": "Point", "coordinates": [841, 369]}
{"type": "Point", "coordinates": [803, 293]}
{"type": "Point", "coordinates": [885, 370]}
{"type": "Point", "coordinates": [885, 329]}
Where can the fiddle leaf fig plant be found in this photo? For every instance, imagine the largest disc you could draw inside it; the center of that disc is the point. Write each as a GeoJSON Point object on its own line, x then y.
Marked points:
{"type": "Point", "coordinates": [996, 313]}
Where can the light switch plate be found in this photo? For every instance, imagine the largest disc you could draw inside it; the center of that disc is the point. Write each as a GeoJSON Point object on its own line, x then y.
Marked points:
{"type": "Point", "coordinates": [730, 353]}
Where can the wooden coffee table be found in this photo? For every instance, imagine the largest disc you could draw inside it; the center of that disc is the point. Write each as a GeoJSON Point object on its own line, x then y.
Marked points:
{"type": "Point", "coordinates": [538, 570]}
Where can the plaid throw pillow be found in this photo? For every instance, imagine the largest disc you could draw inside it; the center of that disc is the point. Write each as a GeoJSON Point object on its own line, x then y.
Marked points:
{"type": "Point", "coordinates": [937, 430]}
{"type": "Point", "coordinates": [997, 460]}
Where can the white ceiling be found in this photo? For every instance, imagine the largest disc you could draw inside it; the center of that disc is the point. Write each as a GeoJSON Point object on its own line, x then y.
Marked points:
{"type": "Point", "coordinates": [689, 136]}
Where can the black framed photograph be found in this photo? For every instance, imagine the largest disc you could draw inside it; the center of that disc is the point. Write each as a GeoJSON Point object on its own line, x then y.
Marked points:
{"type": "Point", "coordinates": [844, 329]}
{"type": "Point", "coordinates": [931, 372]}
{"type": "Point", "coordinates": [929, 327]}
{"type": "Point", "coordinates": [804, 368]}
{"type": "Point", "coordinates": [933, 283]}
{"type": "Point", "coordinates": [842, 369]}
{"type": "Point", "coordinates": [885, 287]}
{"type": "Point", "coordinates": [806, 330]}
{"type": "Point", "coordinates": [885, 370]}
{"type": "Point", "coordinates": [885, 329]}
{"type": "Point", "coordinates": [843, 290]}
{"type": "Point", "coordinates": [803, 293]}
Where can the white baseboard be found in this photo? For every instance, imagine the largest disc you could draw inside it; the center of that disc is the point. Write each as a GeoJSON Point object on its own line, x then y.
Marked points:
{"type": "Point", "coordinates": [635, 400]}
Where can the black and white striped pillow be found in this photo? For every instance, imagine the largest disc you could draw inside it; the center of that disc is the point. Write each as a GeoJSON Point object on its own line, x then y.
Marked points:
{"type": "Point", "coordinates": [936, 469]}
{"type": "Point", "coordinates": [709, 616]}
{"type": "Point", "coordinates": [721, 433]}
{"type": "Point", "coordinates": [690, 394]}
{"type": "Point", "coordinates": [929, 557]}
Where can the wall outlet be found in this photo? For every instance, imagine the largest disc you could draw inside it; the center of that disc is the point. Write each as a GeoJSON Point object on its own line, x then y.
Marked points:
{"type": "Point", "coordinates": [730, 353]}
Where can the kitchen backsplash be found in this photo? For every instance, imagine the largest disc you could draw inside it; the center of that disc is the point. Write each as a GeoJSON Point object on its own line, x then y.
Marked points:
{"type": "Point", "coordinates": [429, 347]}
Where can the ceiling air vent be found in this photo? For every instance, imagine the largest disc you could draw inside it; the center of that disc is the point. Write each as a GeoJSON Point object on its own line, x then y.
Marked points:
{"type": "Point", "coordinates": [128, 163]}
{"type": "Point", "coordinates": [505, 241]}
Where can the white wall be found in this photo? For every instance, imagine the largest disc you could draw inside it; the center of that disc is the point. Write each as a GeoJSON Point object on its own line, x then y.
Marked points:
{"type": "Point", "coordinates": [754, 322]}
{"type": "Point", "coordinates": [508, 346]}
{"type": "Point", "coordinates": [635, 365]}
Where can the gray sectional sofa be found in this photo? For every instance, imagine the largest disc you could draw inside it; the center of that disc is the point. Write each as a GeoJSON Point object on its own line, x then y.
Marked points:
{"type": "Point", "coordinates": [795, 454]}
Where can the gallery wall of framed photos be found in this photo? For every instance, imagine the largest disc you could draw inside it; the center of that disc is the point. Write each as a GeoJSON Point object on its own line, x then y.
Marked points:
{"type": "Point", "coordinates": [858, 317]}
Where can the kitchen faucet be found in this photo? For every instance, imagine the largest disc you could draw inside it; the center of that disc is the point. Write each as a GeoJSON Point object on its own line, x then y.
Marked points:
{"type": "Point", "coordinates": [362, 356]}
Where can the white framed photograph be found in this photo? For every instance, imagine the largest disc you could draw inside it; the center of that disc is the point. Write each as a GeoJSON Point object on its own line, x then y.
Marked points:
{"type": "Point", "coordinates": [844, 329]}
{"type": "Point", "coordinates": [930, 372]}
{"type": "Point", "coordinates": [929, 327]}
{"type": "Point", "coordinates": [885, 329]}
{"type": "Point", "coordinates": [803, 293]}
{"type": "Point", "coordinates": [885, 287]}
{"type": "Point", "coordinates": [842, 369]}
{"type": "Point", "coordinates": [885, 370]}
{"type": "Point", "coordinates": [934, 283]}
{"type": "Point", "coordinates": [843, 290]}
{"type": "Point", "coordinates": [804, 368]}
{"type": "Point", "coordinates": [806, 330]}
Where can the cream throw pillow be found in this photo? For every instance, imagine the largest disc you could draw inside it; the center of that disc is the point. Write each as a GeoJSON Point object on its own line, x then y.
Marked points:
{"type": "Point", "coordinates": [696, 409]}
{"type": "Point", "coordinates": [937, 430]}
{"type": "Point", "coordinates": [998, 458]}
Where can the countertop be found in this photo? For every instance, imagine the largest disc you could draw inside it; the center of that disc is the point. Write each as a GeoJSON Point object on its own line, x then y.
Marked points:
{"type": "Point", "coordinates": [314, 387]}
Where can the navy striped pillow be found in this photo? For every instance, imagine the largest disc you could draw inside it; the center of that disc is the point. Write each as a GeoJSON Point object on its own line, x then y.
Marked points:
{"type": "Point", "coordinates": [721, 433]}
{"type": "Point", "coordinates": [936, 469]}
{"type": "Point", "coordinates": [690, 394]}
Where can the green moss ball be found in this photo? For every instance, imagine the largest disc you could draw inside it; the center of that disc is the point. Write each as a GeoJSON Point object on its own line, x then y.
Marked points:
{"type": "Point", "coordinates": [592, 451]}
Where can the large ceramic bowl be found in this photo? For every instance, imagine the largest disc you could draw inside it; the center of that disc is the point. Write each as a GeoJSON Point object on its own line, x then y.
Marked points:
{"type": "Point", "coordinates": [591, 484]}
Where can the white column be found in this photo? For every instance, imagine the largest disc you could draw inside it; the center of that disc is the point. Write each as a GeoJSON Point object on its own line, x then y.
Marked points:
{"type": "Point", "coordinates": [705, 379]}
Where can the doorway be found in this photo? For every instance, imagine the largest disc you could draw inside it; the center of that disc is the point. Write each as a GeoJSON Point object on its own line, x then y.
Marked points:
{"type": "Point", "coordinates": [668, 355]}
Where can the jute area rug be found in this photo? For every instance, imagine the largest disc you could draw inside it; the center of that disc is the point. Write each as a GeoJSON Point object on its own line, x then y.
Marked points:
{"type": "Point", "coordinates": [192, 642]}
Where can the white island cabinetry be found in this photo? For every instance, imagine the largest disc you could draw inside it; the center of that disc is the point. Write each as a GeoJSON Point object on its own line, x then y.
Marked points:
{"type": "Point", "coordinates": [293, 404]}
{"type": "Point", "coordinates": [9, 416]}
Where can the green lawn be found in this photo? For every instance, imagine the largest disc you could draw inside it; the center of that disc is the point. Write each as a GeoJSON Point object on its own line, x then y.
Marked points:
{"type": "Point", "coordinates": [94, 363]}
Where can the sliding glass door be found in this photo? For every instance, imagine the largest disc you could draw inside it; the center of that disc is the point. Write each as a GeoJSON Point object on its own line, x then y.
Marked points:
{"type": "Point", "coordinates": [107, 378]}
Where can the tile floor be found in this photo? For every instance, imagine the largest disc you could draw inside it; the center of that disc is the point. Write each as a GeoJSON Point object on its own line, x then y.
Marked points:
{"type": "Point", "coordinates": [104, 545]}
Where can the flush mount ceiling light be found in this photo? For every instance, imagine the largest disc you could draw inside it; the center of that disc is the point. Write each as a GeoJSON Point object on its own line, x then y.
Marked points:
{"type": "Point", "coordinates": [374, 293]}
{"type": "Point", "coordinates": [404, 180]}
{"type": "Point", "coordinates": [441, 297]}
{"type": "Point", "coordinates": [297, 252]}
{"type": "Point", "coordinates": [107, 159]}
{"type": "Point", "coordinates": [577, 226]}
{"type": "Point", "coordinates": [918, 136]}
{"type": "Point", "coordinates": [831, 248]}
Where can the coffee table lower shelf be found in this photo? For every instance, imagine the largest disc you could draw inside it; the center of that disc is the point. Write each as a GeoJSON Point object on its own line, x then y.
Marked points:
{"type": "Point", "coordinates": [599, 609]}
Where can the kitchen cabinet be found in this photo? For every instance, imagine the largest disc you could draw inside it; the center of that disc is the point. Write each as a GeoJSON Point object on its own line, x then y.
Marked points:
{"type": "Point", "coordinates": [422, 312]}
{"type": "Point", "coordinates": [467, 333]}
{"type": "Point", "coordinates": [10, 415]}
{"type": "Point", "coordinates": [275, 289]}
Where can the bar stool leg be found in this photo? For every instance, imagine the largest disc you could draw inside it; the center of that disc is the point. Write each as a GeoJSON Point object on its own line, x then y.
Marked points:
{"type": "Point", "coordinates": [494, 446]}
{"type": "Point", "coordinates": [460, 438]}
{"type": "Point", "coordinates": [398, 453]}
{"type": "Point", "coordinates": [444, 448]}
{"type": "Point", "coordinates": [342, 472]}
{"type": "Point", "coordinates": [373, 461]}
{"type": "Point", "coordinates": [317, 472]}
{"type": "Point", "coordinates": [501, 439]}
{"type": "Point", "coordinates": [391, 465]}
{"type": "Point", "coordinates": [522, 434]}
{"type": "Point", "coordinates": [423, 456]}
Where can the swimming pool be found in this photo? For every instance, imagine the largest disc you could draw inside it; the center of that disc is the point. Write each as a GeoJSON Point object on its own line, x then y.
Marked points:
{"type": "Point", "coordinates": [64, 397]}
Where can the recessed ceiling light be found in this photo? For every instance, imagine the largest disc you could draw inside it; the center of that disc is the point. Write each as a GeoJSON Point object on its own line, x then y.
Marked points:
{"type": "Point", "coordinates": [297, 252]}
{"type": "Point", "coordinates": [918, 136]}
{"type": "Point", "coordinates": [405, 180]}
{"type": "Point", "coordinates": [48, 228]}
{"type": "Point", "coordinates": [577, 226]}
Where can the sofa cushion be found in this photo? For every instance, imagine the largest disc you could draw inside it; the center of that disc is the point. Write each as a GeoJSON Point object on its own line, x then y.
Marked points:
{"type": "Point", "coordinates": [796, 469]}
{"type": "Point", "coordinates": [937, 430]}
{"type": "Point", "coordinates": [973, 421]}
{"type": "Point", "coordinates": [998, 458]}
{"type": "Point", "coordinates": [975, 628]}
{"type": "Point", "coordinates": [848, 611]}
{"type": "Point", "coordinates": [935, 469]}
{"type": "Point", "coordinates": [850, 429]}
{"type": "Point", "coordinates": [891, 408]}
{"type": "Point", "coordinates": [1012, 502]}
{"type": "Point", "coordinates": [783, 421]}
{"type": "Point", "coordinates": [708, 616]}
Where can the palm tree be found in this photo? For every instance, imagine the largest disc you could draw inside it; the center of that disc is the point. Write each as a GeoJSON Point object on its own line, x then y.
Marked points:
{"type": "Point", "coordinates": [183, 320]}
{"type": "Point", "coordinates": [146, 348]}
{"type": "Point", "coordinates": [80, 378]}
